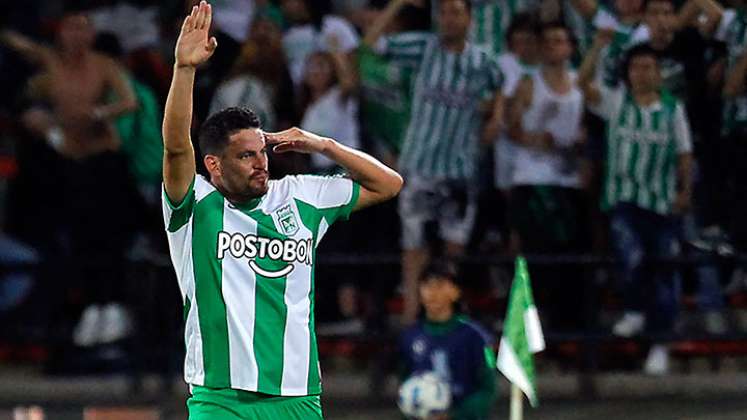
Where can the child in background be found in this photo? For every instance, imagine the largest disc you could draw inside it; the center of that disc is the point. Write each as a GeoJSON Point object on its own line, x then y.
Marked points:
{"type": "Point", "coordinates": [451, 346]}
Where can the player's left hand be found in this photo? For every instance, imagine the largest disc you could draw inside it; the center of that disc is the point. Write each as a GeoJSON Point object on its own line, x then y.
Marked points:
{"type": "Point", "coordinates": [296, 140]}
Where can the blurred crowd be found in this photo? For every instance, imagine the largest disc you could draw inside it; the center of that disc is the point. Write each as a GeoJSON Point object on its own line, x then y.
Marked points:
{"type": "Point", "coordinates": [550, 127]}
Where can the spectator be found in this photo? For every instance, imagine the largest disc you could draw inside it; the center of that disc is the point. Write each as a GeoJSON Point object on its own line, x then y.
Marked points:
{"type": "Point", "coordinates": [585, 17]}
{"type": "Point", "coordinates": [327, 103]}
{"type": "Point", "coordinates": [546, 201]}
{"type": "Point", "coordinates": [736, 131]}
{"type": "Point", "coordinates": [76, 83]}
{"type": "Point", "coordinates": [491, 19]}
{"type": "Point", "coordinates": [451, 346]}
{"type": "Point", "coordinates": [518, 62]}
{"type": "Point", "coordinates": [259, 75]}
{"type": "Point", "coordinates": [730, 27]}
{"type": "Point", "coordinates": [440, 152]}
{"type": "Point", "coordinates": [647, 187]}
{"type": "Point", "coordinates": [386, 97]}
{"type": "Point", "coordinates": [140, 135]}
{"type": "Point", "coordinates": [313, 28]}
{"type": "Point", "coordinates": [136, 27]}
{"type": "Point", "coordinates": [624, 20]}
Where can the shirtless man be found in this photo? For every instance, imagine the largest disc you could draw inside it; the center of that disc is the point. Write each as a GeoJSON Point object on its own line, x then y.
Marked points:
{"type": "Point", "coordinates": [78, 94]}
{"type": "Point", "coordinates": [76, 82]}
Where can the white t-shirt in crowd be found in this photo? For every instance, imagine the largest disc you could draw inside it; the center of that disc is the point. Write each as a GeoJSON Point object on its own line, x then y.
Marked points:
{"type": "Point", "coordinates": [135, 27]}
{"type": "Point", "coordinates": [504, 149]}
{"type": "Point", "coordinates": [335, 117]}
{"type": "Point", "coordinates": [300, 41]}
{"type": "Point", "coordinates": [233, 17]}
{"type": "Point", "coordinates": [247, 91]}
{"type": "Point", "coordinates": [561, 116]}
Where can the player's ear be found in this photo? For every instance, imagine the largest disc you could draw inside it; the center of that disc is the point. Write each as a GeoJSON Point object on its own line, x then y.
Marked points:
{"type": "Point", "coordinates": [212, 164]}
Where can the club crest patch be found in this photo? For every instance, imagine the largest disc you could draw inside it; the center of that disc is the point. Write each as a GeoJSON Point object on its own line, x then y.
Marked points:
{"type": "Point", "coordinates": [287, 220]}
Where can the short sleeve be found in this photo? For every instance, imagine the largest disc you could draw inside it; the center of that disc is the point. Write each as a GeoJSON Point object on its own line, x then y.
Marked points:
{"type": "Point", "coordinates": [176, 215]}
{"type": "Point", "coordinates": [722, 32]}
{"type": "Point", "coordinates": [610, 99]}
{"type": "Point", "coordinates": [405, 49]}
{"type": "Point", "coordinates": [332, 196]}
{"type": "Point", "coordinates": [682, 134]}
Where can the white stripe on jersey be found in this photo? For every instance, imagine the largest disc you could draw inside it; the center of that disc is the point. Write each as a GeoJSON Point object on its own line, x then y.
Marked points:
{"type": "Point", "coordinates": [297, 335]}
{"type": "Point", "coordinates": [239, 287]}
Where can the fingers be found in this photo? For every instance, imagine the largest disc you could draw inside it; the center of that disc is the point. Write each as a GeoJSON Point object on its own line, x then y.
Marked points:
{"type": "Point", "coordinates": [208, 17]}
{"type": "Point", "coordinates": [212, 44]}
{"type": "Point", "coordinates": [279, 137]}
{"type": "Point", "coordinates": [189, 21]}
{"type": "Point", "coordinates": [201, 16]}
{"type": "Point", "coordinates": [288, 146]}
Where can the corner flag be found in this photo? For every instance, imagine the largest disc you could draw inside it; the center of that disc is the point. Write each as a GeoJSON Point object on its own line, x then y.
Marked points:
{"type": "Point", "coordinates": [522, 335]}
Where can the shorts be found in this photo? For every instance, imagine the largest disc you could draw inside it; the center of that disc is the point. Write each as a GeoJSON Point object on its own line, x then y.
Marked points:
{"type": "Point", "coordinates": [233, 404]}
{"type": "Point", "coordinates": [452, 204]}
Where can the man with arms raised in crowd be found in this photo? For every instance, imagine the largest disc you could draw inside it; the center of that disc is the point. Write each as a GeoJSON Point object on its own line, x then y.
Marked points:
{"type": "Point", "coordinates": [244, 248]}
{"type": "Point", "coordinates": [457, 102]}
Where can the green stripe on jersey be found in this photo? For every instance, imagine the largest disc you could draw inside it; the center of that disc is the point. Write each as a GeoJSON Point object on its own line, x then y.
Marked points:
{"type": "Point", "coordinates": [641, 156]}
{"type": "Point", "coordinates": [208, 221]}
{"type": "Point", "coordinates": [271, 313]}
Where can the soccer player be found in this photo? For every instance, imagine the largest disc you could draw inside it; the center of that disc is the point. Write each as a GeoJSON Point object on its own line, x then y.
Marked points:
{"type": "Point", "coordinates": [451, 346]}
{"type": "Point", "coordinates": [456, 102]}
{"type": "Point", "coordinates": [244, 248]}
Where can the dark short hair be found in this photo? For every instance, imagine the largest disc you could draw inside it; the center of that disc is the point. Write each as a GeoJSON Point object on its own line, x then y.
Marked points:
{"type": "Point", "coordinates": [552, 25]}
{"type": "Point", "coordinates": [522, 22]}
{"type": "Point", "coordinates": [639, 50]}
{"type": "Point", "coordinates": [216, 130]}
{"type": "Point", "coordinates": [440, 269]}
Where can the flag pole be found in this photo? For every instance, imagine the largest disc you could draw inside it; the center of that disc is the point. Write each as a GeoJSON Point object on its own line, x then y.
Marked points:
{"type": "Point", "coordinates": [517, 406]}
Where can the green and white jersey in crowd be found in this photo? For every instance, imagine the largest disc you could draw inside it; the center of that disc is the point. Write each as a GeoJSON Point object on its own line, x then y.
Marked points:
{"type": "Point", "coordinates": [490, 21]}
{"type": "Point", "coordinates": [732, 30]}
{"type": "Point", "coordinates": [385, 99]}
{"type": "Point", "coordinates": [491, 18]}
{"type": "Point", "coordinates": [246, 274]}
{"type": "Point", "coordinates": [442, 138]}
{"type": "Point", "coordinates": [643, 146]}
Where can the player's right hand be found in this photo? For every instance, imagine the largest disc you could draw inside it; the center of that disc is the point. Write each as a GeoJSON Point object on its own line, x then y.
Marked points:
{"type": "Point", "coordinates": [194, 47]}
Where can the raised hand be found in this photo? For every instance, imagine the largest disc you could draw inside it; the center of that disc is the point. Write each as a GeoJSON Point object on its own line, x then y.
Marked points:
{"type": "Point", "coordinates": [193, 46]}
{"type": "Point", "coordinates": [296, 140]}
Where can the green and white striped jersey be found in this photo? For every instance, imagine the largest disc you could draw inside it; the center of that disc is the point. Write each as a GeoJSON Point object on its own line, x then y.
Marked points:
{"type": "Point", "coordinates": [442, 138]}
{"type": "Point", "coordinates": [732, 30]}
{"type": "Point", "coordinates": [643, 145]}
{"type": "Point", "coordinates": [490, 21]}
{"type": "Point", "coordinates": [246, 274]}
{"type": "Point", "coordinates": [491, 18]}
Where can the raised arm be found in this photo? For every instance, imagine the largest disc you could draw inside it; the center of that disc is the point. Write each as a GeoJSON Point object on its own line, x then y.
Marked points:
{"type": "Point", "coordinates": [31, 50]}
{"type": "Point", "coordinates": [588, 67]}
{"type": "Point", "coordinates": [377, 28]}
{"type": "Point", "coordinates": [378, 182]}
{"type": "Point", "coordinates": [690, 11]}
{"type": "Point", "coordinates": [585, 8]}
{"type": "Point", "coordinates": [192, 48]}
{"type": "Point", "coordinates": [343, 68]}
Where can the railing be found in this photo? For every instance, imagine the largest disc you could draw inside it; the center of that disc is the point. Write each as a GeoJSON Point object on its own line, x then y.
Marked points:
{"type": "Point", "coordinates": [589, 340]}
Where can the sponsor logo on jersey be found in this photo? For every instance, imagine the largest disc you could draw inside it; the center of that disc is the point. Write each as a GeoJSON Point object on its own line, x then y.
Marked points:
{"type": "Point", "coordinates": [255, 247]}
